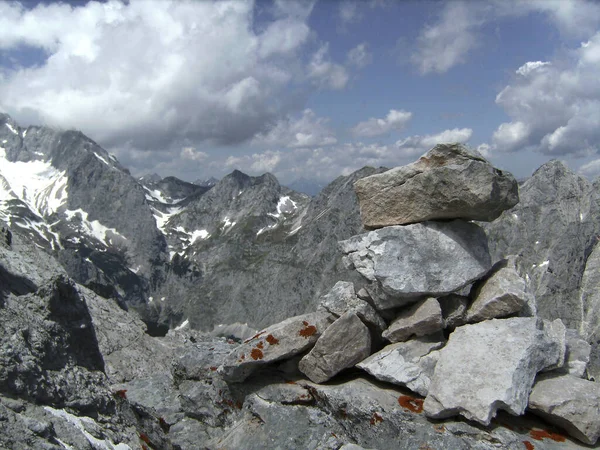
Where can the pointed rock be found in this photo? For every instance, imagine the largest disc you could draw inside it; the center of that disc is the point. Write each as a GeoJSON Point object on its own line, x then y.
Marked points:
{"type": "Point", "coordinates": [425, 259]}
{"type": "Point", "coordinates": [409, 364]}
{"type": "Point", "coordinates": [571, 403]}
{"type": "Point", "coordinates": [488, 366]}
{"type": "Point", "coordinates": [423, 318]}
{"type": "Point", "coordinates": [280, 341]}
{"type": "Point", "coordinates": [346, 342]}
{"type": "Point", "coordinates": [449, 182]}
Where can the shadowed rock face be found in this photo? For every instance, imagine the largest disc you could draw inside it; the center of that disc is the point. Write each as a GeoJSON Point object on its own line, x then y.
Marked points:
{"type": "Point", "coordinates": [448, 182]}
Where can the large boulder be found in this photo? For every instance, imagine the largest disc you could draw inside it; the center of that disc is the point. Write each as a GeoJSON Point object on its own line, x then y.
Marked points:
{"type": "Point", "coordinates": [425, 259]}
{"type": "Point", "coordinates": [421, 319]}
{"type": "Point", "coordinates": [280, 341]}
{"type": "Point", "coordinates": [497, 360]}
{"type": "Point", "coordinates": [346, 342]}
{"type": "Point", "coordinates": [571, 403]}
{"type": "Point", "coordinates": [448, 182]}
{"type": "Point", "coordinates": [409, 364]}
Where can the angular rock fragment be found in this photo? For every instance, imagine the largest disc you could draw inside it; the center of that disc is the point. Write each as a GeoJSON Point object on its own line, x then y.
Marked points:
{"type": "Point", "coordinates": [286, 394]}
{"type": "Point", "coordinates": [283, 340]}
{"type": "Point", "coordinates": [423, 318]}
{"type": "Point", "coordinates": [558, 333]}
{"type": "Point", "coordinates": [569, 402]}
{"type": "Point", "coordinates": [342, 298]}
{"type": "Point", "coordinates": [454, 309]}
{"type": "Point", "coordinates": [488, 366]}
{"type": "Point", "coordinates": [448, 182]}
{"type": "Point", "coordinates": [409, 364]}
{"type": "Point", "coordinates": [578, 354]}
{"type": "Point", "coordinates": [346, 342]}
{"type": "Point", "coordinates": [425, 259]}
{"type": "Point", "coordinates": [500, 295]}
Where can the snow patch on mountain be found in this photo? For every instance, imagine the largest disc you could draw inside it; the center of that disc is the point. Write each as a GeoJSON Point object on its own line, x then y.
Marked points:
{"type": "Point", "coordinates": [94, 228]}
{"type": "Point", "coordinates": [10, 127]}
{"type": "Point", "coordinates": [163, 217]}
{"type": "Point", "coordinates": [285, 205]}
{"type": "Point", "coordinates": [154, 195]}
{"type": "Point", "coordinates": [101, 159]}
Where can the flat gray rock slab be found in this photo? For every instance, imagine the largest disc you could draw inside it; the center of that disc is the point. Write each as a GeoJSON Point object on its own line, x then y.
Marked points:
{"type": "Point", "coordinates": [488, 366]}
{"type": "Point", "coordinates": [342, 298]}
{"type": "Point", "coordinates": [280, 341]}
{"type": "Point", "coordinates": [501, 294]}
{"type": "Point", "coordinates": [346, 342]}
{"type": "Point", "coordinates": [571, 403]}
{"type": "Point", "coordinates": [421, 319]}
{"type": "Point", "coordinates": [425, 259]}
{"type": "Point", "coordinates": [409, 364]}
{"type": "Point", "coordinates": [449, 182]}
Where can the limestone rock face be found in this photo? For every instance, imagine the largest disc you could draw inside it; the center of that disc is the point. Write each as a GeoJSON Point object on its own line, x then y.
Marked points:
{"type": "Point", "coordinates": [346, 342]}
{"type": "Point", "coordinates": [409, 364]}
{"type": "Point", "coordinates": [423, 318]}
{"type": "Point", "coordinates": [488, 366]}
{"type": "Point", "coordinates": [431, 258]}
{"type": "Point", "coordinates": [343, 298]}
{"type": "Point", "coordinates": [279, 341]}
{"type": "Point", "coordinates": [448, 182]}
{"type": "Point", "coordinates": [500, 295]}
{"type": "Point", "coordinates": [571, 403]}
{"type": "Point", "coordinates": [578, 354]}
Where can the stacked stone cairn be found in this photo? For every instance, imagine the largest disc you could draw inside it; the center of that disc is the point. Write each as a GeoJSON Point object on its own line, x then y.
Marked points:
{"type": "Point", "coordinates": [461, 332]}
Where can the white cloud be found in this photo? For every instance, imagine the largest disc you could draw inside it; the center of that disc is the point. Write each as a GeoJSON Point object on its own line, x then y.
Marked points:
{"type": "Point", "coordinates": [394, 121]}
{"type": "Point", "coordinates": [555, 109]}
{"type": "Point", "coordinates": [159, 73]}
{"type": "Point", "coordinates": [326, 73]}
{"type": "Point", "coordinates": [590, 169]}
{"type": "Point", "coordinates": [256, 163]}
{"type": "Point", "coordinates": [530, 67]}
{"type": "Point", "coordinates": [359, 56]}
{"type": "Point", "coordinates": [417, 145]}
{"type": "Point", "coordinates": [191, 154]}
{"type": "Point", "coordinates": [306, 131]}
{"type": "Point", "coordinates": [348, 12]}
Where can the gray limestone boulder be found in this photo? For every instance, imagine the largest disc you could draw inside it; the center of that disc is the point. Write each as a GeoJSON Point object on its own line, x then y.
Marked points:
{"type": "Point", "coordinates": [501, 294]}
{"type": "Point", "coordinates": [454, 309]}
{"type": "Point", "coordinates": [571, 403]}
{"type": "Point", "coordinates": [409, 364]}
{"type": "Point", "coordinates": [448, 182]}
{"type": "Point", "coordinates": [557, 331]}
{"type": "Point", "coordinates": [425, 259]}
{"type": "Point", "coordinates": [578, 354]}
{"type": "Point", "coordinates": [342, 298]}
{"type": "Point", "coordinates": [497, 360]}
{"type": "Point", "coordinates": [346, 342]}
{"type": "Point", "coordinates": [280, 341]}
{"type": "Point", "coordinates": [422, 318]}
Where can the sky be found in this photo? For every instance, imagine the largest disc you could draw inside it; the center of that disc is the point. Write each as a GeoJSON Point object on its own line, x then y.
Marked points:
{"type": "Point", "coordinates": [308, 89]}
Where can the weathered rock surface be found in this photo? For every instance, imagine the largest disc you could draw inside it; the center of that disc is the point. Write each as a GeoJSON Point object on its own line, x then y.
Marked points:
{"type": "Point", "coordinates": [343, 298]}
{"type": "Point", "coordinates": [501, 294]}
{"type": "Point", "coordinates": [496, 360]}
{"type": "Point", "coordinates": [422, 318]}
{"type": "Point", "coordinates": [283, 340]}
{"type": "Point", "coordinates": [448, 182]}
{"type": "Point", "coordinates": [454, 309]}
{"type": "Point", "coordinates": [344, 343]}
{"type": "Point", "coordinates": [557, 331]}
{"type": "Point", "coordinates": [571, 403]}
{"type": "Point", "coordinates": [409, 364]}
{"type": "Point", "coordinates": [578, 354]}
{"type": "Point", "coordinates": [431, 258]}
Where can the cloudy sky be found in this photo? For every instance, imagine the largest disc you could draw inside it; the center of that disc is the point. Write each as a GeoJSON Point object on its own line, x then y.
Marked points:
{"type": "Point", "coordinates": [308, 89]}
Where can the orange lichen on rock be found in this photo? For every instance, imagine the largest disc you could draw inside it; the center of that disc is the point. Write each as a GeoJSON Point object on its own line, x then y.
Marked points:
{"type": "Point", "coordinates": [121, 393]}
{"type": "Point", "coordinates": [145, 438]}
{"type": "Point", "coordinates": [272, 340]}
{"type": "Point", "coordinates": [528, 445]}
{"type": "Point", "coordinates": [260, 345]}
{"type": "Point", "coordinates": [256, 354]}
{"type": "Point", "coordinates": [257, 335]}
{"type": "Point", "coordinates": [213, 368]}
{"type": "Point", "coordinates": [439, 428]}
{"type": "Point", "coordinates": [412, 404]}
{"type": "Point", "coordinates": [540, 435]}
{"type": "Point", "coordinates": [308, 330]}
{"type": "Point", "coordinates": [376, 418]}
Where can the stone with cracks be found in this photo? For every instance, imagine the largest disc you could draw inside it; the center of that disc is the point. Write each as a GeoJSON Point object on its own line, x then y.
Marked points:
{"type": "Point", "coordinates": [409, 364]}
{"type": "Point", "coordinates": [571, 403]}
{"type": "Point", "coordinates": [342, 298]}
{"type": "Point", "coordinates": [558, 332]}
{"type": "Point", "coordinates": [425, 259]}
{"type": "Point", "coordinates": [578, 354]}
{"type": "Point", "coordinates": [454, 309]}
{"type": "Point", "coordinates": [448, 182]}
{"type": "Point", "coordinates": [280, 341]}
{"type": "Point", "coordinates": [501, 294]}
{"type": "Point", "coordinates": [488, 366]}
{"type": "Point", "coordinates": [423, 318]}
{"type": "Point", "coordinates": [346, 342]}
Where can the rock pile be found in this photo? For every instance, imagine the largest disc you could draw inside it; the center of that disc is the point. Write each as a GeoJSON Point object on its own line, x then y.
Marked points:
{"type": "Point", "coordinates": [462, 332]}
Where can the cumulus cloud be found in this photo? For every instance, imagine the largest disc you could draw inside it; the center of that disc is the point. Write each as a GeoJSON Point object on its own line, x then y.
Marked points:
{"type": "Point", "coordinates": [417, 145]}
{"type": "Point", "coordinates": [326, 73]}
{"type": "Point", "coordinates": [396, 120]}
{"type": "Point", "coordinates": [155, 74]}
{"type": "Point", "coordinates": [555, 108]}
{"type": "Point", "coordinates": [530, 67]}
{"type": "Point", "coordinates": [590, 169]}
{"type": "Point", "coordinates": [359, 56]}
{"type": "Point", "coordinates": [191, 154]}
{"type": "Point", "coordinates": [306, 131]}
{"type": "Point", "coordinates": [348, 12]}
{"type": "Point", "coordinates": [257, 163]}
